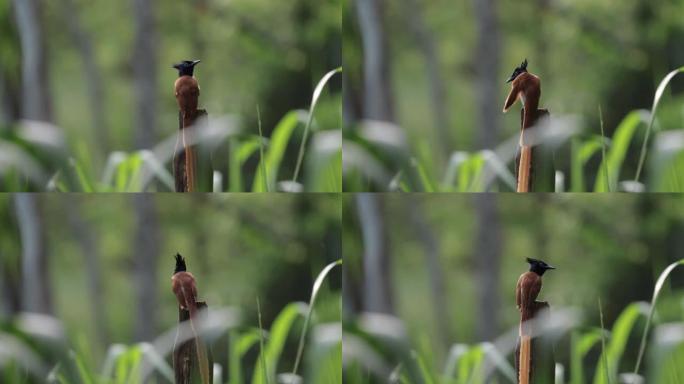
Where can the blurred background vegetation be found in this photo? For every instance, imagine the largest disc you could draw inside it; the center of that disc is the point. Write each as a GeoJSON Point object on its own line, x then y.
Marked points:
{"type": "Point", "coordinates": [102, 265]}
{"type": "Point", "coordinates": [443, 269]}
{"type": "Point", "coordinates": [101, 73]}
{"type": "Point", "coordinates": [436, 71]}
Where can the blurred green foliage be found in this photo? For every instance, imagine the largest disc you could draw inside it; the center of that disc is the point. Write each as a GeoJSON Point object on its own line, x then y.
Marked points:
{"type": "Point", "coordinates": [588, 54]}
{"type": "Point", "coordinates": [234, 248]}
{"type": "Point", "coordinates": [611, 248]}
{"type": "Point", "coordinates": [255, 54]}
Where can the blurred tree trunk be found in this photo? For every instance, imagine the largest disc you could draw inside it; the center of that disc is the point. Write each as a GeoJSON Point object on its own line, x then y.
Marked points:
{"type": "Point", "coordinates": [432, 253]}
{"type": "Point", "coordinates": [376, 262]}
{"type": "Point", "coordinates": [487, 57]}
{"type": "Point", "coordinates": [86, 239]}
{"type": "Point", "coordinates": [145, 74]}
{"type": "Point", "coordinates": [145, 256]}
{"type": "Point", "coordinates": [376, 68]}
{"type": "Point", "coordinates": [426, 44]}
{"type": "Point", "coordinates": [35, 87]}
{"type": "Point", "coordinates": [488, 263]}
{"type": "Point", "coordinates": [83, 43]}
{"type": "Point", "coordinates": [9, 96]}
{"type": "Point", "coordinates": [35, 279]}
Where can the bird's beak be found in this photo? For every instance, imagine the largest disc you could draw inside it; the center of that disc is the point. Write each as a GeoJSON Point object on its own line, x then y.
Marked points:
{"type": "Point", "coordinates": [175, 66]}
{"type": "Point", "coordinates": [510, 79]}
{"type": "Point", "coordinates": [550, 267]}
{"type": "Point", "coordinates": [195, 62]}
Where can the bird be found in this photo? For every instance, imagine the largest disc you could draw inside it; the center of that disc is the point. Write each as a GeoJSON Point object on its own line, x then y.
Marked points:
{"type": "Point", "coordinates": [526, 292]}
{"type": "Point", "coordinates": [528, 287]}
{"type": "Point", "coordinates": [187, 91]}
{"type": "Point", "coordinates": [526, 87]}
{"type": "Point", "coordinates": [184, 287]}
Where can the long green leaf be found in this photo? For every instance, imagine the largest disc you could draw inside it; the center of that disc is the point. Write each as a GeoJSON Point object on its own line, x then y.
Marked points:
{"type": "Point", "coordinates": [656, 292]}
{"type": "Point", "coordinates": [654, 108]}
{"type": "Point", "coordinates": [314, 293]}
{"type": "Point", "coordinates": [314, 100]}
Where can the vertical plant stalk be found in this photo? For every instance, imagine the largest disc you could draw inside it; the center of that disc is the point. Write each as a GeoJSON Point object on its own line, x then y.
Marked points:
{"type": "Point", "coordinates": [261, 343]}
{"type": "Point", "coordinates": [525, 161]}
{"type": "Point", "coordinates": [524, 169]}
{"type": "Point", "coordinates": [529, 354]}
{"type": "Point", "coordinates": [187, 366]}
{"type": "Point", "coordinates": [603, 340]}
{"type": "Point", "coordinates": [603, 153]}
{"type": "Point", "coordinates": [262, 160]}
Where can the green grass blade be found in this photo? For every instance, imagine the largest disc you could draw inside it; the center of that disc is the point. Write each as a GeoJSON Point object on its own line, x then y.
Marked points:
{"type": "Point", "coordinates": [618, 341]}
{"type": "Point", "coordinates": [422, 175]}
{"type": "Point", "coordinates": [581, 153]}
{"type": "Point", "coordinates": [264, 171]}
{"type": "Point", "coordinates": [618, 150]}
{"type": "Point", "coordinates": [276, 342]}
{"type": "Point", "coordinates": [314, 292]}
{"type": "Point", "coordinates": [656, 101]}
{"type": "Point", "coordinates": [580, 346]}
{"type": "Point", "coordinates": [314, 100]}
{"type": "Point", "coordinates": [274, 155]}
{"type": "Point", "coordinates": [656, 292]}
{"type": "Point", "coordinates": [86, 185]}
{"type": "Point", "coordinates": [239, 345]}
{"type": "Point", "coordinates": [83, 373]}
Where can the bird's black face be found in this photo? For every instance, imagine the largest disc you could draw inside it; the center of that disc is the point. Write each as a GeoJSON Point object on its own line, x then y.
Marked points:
{"type": "Point", "coordinates": [180, 264]}
{"type": "Point", "coordinates": [538, 266]}
{"type": "Point", "coordinates": [186, 67]}
{"type": "Point", "coordinates": [518, 70]}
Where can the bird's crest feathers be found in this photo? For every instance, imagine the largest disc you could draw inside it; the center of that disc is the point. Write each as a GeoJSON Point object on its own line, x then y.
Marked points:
{"type": "Point", "coordinates": [518, 70]}
{"type": "Point", "coordinates": [180, 264]}
{"type": "Point", "coordinates": [186, 67]}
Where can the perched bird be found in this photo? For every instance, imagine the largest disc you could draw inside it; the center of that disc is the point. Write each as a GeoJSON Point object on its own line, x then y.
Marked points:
{"type": "Point", "coordinates": [187, 90]}
{"type": "Point", "coordinates": [184, 287]}
{"type": "Point", "coordinates": [526, 292]}
{"type": "Point", "coordinates": [526, 87]}
{"type": "Point", "coordinates": [528, 287]}
{"type": "Point", "coordinates": [186, 87]}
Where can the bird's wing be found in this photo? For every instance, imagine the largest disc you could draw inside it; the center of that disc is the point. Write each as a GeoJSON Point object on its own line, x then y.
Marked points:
{"type": "Point", "coordinates": [518, 289]}
{"type": "Point", "coordinates": [512, 97]}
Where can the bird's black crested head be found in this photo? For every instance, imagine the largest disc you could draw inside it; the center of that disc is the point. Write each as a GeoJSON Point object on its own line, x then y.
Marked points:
{"type": "Point", "coordinates": [518, 70]}
{"type": "Point", "coordinates": [538, 266]}
{"type": "Point", "coordinates": [186, 67]}
{"type": "Point", "coordinates": [180, 264]}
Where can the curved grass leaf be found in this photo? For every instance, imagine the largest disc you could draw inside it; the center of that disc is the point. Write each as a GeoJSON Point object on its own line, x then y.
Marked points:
{"type": "Point", "coordinates": [656, 101]}
{"type": "Point", "coordinates": [656, 292]}
{"type": "Point", "coordinates": [314, 100]}
{"type": "Point", "coordinates": [314, 292]}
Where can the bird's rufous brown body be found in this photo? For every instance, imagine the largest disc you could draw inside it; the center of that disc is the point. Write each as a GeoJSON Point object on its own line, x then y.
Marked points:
{"type": "Point", "coordinates": [527, 88]}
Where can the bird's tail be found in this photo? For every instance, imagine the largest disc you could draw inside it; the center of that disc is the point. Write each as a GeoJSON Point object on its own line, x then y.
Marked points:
{"type": "Point", "coordinates": [202, 359]}
{"type": "Point", "coordinates": [189, 149]}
